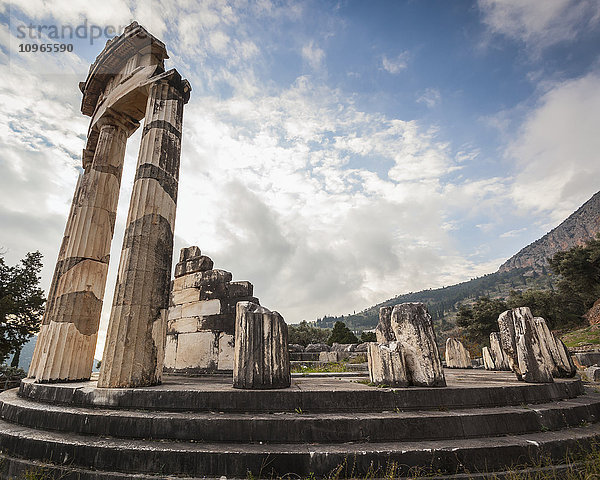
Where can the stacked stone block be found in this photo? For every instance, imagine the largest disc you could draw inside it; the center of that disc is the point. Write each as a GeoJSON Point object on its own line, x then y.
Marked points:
{"type": "Point", "coordinates": [201, 317]}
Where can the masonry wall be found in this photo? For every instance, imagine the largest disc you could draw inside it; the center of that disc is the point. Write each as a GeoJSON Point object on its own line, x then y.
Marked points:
{"type": "Point", "coordinates": [201, 318]}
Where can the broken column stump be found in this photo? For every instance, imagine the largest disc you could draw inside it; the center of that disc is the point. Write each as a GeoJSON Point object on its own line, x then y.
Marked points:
{"type": "Point", "coordinates": [488, 361]}
{"type": "Point", "coordinates": [499, 358]}
{"type": "Point", "coordinates": [386, 365]}
{"type": "Point", "coordinates": [457, 356]}
{"type": "Point", "coordinates": [410, 325]}
{"type": "Point", "coordinates": [261, 359]}
{"type": "Point", "coordinates": [522, 346]}
{"type": "Point", "coordinates": [554, 351]}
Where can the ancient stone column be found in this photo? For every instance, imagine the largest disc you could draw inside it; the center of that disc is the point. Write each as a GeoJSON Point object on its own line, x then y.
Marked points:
{"type": "Point", "coordinates": [261, 358]}
{"type": "Point", "coordinates": [67, 340]}
{"type": "Point", "coordinates": [488, 361]}
{"type": "Point", "coordinates": [457, 356]}
{"type": "Point", "coordinates": [134, 350]}
{"type": "Point", "coordinates": [411, 326]}
{"type": "Point", "coordinates": [499, 357]}
{"type": "Point", "coordinates": [387, 365]}
{"type": "Point", "coordinates": [554, 351]}
{"type": "Point", "coordinates": [522, 346]}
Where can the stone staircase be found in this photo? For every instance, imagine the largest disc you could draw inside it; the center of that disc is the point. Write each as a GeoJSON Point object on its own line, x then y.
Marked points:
{"type": "Point", "coordinates": [202, 427]}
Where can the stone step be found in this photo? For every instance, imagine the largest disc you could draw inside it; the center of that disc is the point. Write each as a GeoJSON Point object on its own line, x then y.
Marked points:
{"type": "Point", "coordinates": [206, 459]}
{"type": "Point", "coordinates": [300, 427]}
{"type": "Point", "coordinates": [467, 389]}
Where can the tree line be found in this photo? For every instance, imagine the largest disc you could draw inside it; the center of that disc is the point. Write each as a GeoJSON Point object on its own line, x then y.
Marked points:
{"type": "Point", "coordinates": [305, 333]}
{"type": "Point", "coordinates": [577, 287]}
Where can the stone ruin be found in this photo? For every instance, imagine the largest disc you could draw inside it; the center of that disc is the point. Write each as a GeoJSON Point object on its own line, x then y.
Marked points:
{"type": "Point", "coordinates": [533, 352]}
{"type": "Point", "coordinates": [456, 355]}
{"type": "Point", "coordinates": [261, 358]}
{"type": "Point", "coordinates": [554, 351]}
{"type": "Point", "coordinates": [201, 318]}
{"type": "Point", "coordinates": [406, 351]}
{"type": "Point", "coordinates": [494, 357]}
{"type": "Point", "coordinates": [126, 83]}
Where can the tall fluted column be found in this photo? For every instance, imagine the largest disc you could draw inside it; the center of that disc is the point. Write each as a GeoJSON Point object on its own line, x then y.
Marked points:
{"type": "Point", "coordinates": [67, 340]}
{"type": "Point", "coordinates": [134, 351]}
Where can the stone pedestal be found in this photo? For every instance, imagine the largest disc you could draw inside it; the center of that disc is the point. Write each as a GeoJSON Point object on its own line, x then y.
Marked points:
{"type": "Point", "coordinates": [522, 346]}
{"type": "Point", "coordinates": [134, 351]}
{"type": "Point", "coordinates": [201, 320]}
{"type": "Point", "coordinates": [67, 340]}
{"type": "Point", "coordinates": [457, 356]}
{"type": "Point", "coordinates": [386, 365]}
{"type": "Point", "coordinates": [261, 359]}
{"type": "Point", "coordinates": [410, 325]}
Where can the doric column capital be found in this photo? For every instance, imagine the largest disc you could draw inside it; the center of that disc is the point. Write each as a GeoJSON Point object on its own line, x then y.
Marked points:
{"type": "Point", "coordinates": [119, 120]}
{"type": "Point", "coordinates": [173, 79]}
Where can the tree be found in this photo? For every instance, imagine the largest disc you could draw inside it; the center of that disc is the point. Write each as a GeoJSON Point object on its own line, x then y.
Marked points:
{"type": "Point", "coordinates": [481, 319]}
{"type": "Point", "coordinates": [578, 287]}
{"type": "Point", "coordinates": [368, 337]}
{"type": "Point", "coordinates": [21, 304]}
{"type": "Point", "coordinates": [304, 333]}
{"type": "Point", "coordinates": [579, 272]}
{"type": "Point", "coordinates": [341, 334]}
{"type": "Point", "coordinates": [557, 308]}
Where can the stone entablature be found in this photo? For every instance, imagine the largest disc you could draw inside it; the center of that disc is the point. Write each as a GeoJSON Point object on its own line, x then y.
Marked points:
{"type": "Point", "coordinates": [201, 318]}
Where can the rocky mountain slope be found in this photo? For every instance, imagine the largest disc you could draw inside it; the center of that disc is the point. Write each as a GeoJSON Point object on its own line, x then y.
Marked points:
{"type": "Point", "coordinates": [579, 227]}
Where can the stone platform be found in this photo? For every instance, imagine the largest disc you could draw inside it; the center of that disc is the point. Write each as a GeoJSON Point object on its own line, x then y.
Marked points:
{"type": "Point", "coordinates": [203, 427]}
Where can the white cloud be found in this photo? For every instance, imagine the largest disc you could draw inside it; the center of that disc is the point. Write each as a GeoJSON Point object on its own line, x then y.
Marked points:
{"type": "Point", "coordinates": [556, 149]}
{"type": "Point", "coordinates": [540, 23]}
{"type": "Point", "coordinates": [430, 97]}
{"type": "Point", "coordinates": [395, 65]}
{"type": "Point", "coordinates": [513, 233]}
{"type": "Point", "coordinates": [313, 55]}
{"type": "Point", "coordinates": [325, 207]}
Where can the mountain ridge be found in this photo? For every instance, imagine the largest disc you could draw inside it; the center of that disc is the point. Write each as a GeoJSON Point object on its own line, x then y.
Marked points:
{"type": "Point", "coordinates": [526, 269]}
{"type": "Point", "coordinates": [579, 227]}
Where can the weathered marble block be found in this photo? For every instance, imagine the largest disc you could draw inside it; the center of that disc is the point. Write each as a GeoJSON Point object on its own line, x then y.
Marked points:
{"type": "Point", "coordinates": [498, 356]}
{"type": "Point", "coordinates": [329, 356]}
{"type": "Point", "coordinates": [457, 356]}
{"type": "Point", "coordinates": [261, 357]}
{"type": "Point", "coordinates": [522, 346]}
{"type": "Point", "coordinates": [488, 361]}
{"type": "Point", "coordinates": [317, 347]}
{"type": "Point", "coordinates": [188, 253]}
{"type": "Point", "coordinates": [410, 325]}
{"type": "Point", "coordinates": [592, 374]}
{"type": "Point", "coordinates": [554, 351]}
{"type": "Point", "coordinates": [387, 365]}
{"type": "Point", "coordinates": [193, 265]}
{"type": "Point", "coordinates": [201, 318]}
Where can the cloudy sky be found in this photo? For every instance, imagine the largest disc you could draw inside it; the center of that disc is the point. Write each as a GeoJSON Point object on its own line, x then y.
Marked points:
{"type": "Point", "coordinates": [335, 154]}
